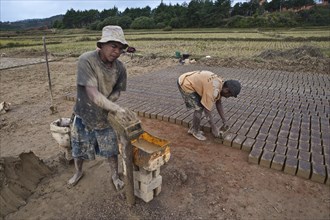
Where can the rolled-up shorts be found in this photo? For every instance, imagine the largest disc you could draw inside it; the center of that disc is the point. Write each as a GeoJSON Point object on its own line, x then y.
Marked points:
{"type": "Point", "coordinates": [192, 100]}
{"type": "Point", "coordinates": [87, 143]}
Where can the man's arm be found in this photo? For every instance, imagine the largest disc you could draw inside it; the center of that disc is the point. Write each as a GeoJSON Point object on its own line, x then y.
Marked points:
{"type": "Point", "coordinates": [219, 107]}
{"type": "Point", "coordinates": [209, 118]}
{"type": "Point", "coordinates": [101, 101]}
{"type": "Point", "coordinates": [114, 96]}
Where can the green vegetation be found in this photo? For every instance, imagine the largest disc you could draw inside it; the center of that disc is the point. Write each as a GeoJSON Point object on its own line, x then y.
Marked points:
{"type": "Point", "coordinates": [215, 42]}
{"type": "Point", "coordinates": [195, 14]}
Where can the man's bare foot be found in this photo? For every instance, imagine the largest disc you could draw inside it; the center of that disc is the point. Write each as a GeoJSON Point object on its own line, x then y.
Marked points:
{"type": "Point", "coordinates": [75, 179]}
{"type": "Point", "coordinates": [117, 182]}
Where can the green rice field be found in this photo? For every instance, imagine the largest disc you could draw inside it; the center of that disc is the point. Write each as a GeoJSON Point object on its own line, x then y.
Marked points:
{"type": "Point", "coordinates": [222, 43]}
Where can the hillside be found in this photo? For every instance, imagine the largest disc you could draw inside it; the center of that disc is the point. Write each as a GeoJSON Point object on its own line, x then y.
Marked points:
{"type": "Point", "coordinates": [30, 23]}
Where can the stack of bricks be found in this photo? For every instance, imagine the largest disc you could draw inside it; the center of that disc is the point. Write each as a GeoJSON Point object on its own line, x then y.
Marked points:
{"type": "Point", "coordinates": [147, 184]}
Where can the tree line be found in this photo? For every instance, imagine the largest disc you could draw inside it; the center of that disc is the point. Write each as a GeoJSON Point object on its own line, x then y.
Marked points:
{"type": "Point", "coordinates": [201, 14]}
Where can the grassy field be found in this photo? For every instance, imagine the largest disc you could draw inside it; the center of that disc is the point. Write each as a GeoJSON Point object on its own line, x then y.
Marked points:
{"type": "Point", "coordinates": [222, 43]}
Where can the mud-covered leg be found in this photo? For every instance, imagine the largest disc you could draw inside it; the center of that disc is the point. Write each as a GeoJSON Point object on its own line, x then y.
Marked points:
{"type": "Point", "coordinates": [79, 173]}
{"type": "Point", "coordinates": [113, 162]}
{"type": "Point", "coordinates": [195, 129]}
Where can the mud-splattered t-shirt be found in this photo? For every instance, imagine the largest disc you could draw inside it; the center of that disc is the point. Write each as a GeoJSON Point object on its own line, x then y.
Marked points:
{"type": "Point", "coordinates": [207, 84]}
{"type": "Point", "coordinates": [93, 72]}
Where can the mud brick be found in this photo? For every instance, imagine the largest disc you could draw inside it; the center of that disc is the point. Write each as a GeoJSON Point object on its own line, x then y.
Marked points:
{"type": "Point", "coordinates": [277, 120]}
{"type": "Point", "coordinates": [143, 176]}
{"type": "Point", "coordinates": [252, 134]}
{"type": "Point", "coordinates": [146, 197]}
{"type": "Point", "coordinates": [254, 156]}
{"type": "Point", "coordinates": [275, 128]}
{"type": "Point", "coordinates": [282, 141]}
{"type": "Point", "coordinates": [278, 162]}
{"type": "Point", "coordinates": [238, 141]}
{"type": "Point", "coordinates": [283, 133]}
{"type": "Point", "coordinates": [316, 149]}
{"type": "Point", "coordinates": [228, 140]}
{"type": "Point", "coordinates": [155, 173]}
{"type": "Point", "coordinates": [304, 155]}
{"type": "Point", "coordinates": [292, 152]}
{"type": "Point", "coordinates": [315, 133]}
{"type": "Point", "coordinates": [157, 190]}
{"type": "Point", "coordinates": [281, 149]}
{"type": "Point", "coordinates": [273, 132]}
{"type": "Point", "coordinates": [304, 138]}
{"type": "Point", "coordinates": [259, 144]}
{"type": "Point", "coordinates": [304, 169]}
{"type": "Point", "coordinates": [270, 146]}
{"type": "Point", "coordinates": [326, 150]}
{"type": "Point", "coordinates": [243, 131]}
{"type": "Point", "coordinates": [271, 139]}
{"type": "Point", "coordinates": [266, 158]}
{"type": "Point", "coordinates": [264, 129]}
{"type": "Point", "coordinates": [318, 173]}
{"type": "Point", "coordinates": [285, 127]}
{"type": "Point", "coordinates": [187, 121]}
{"type": "Point", "coordinates": [247, 144]}
{"type": "Point", "coordinates": [162, 114]}
{"type": "Point", "coordinates": [327, 160]}
{"type": "Point", "coordinates": [326, 142]}
{"type": "Point", "coordinates": [316, 142]}
{"type": "Point", "coordinates": [154, 113]}
{"type": "Point", "coordinates": [304, 146]}
{"type": "Point", "coordinates": [326, 135]}
{"type": "Point", "coordinates": [292, 144]}
{"type": "Point", "coordinates": [291, 165]}
{"type": "Point", "coordinates": [317, 158]}
{"type": "Point", "coordinates": [261, 136]}
{"type": "Point", "coordinates": [305, 128]}
{"type": "Point", "coordinates": [155, 182]}
{"type": "Point", "coordinates": [294, 136]}
{"type": "Point", "coordinates": [328, 176]}
{"type": "Point", "coordinates": [234, 129]}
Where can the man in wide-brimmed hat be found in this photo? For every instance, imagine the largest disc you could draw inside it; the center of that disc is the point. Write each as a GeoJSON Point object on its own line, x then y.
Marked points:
{"type": "Point", "coordinates": [100, 79]}
{"type": "Point", "coordinates": [200, 90]}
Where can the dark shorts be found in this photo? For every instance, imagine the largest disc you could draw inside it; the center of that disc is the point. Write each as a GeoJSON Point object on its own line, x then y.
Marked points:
{"type": "Point", "coordinates": [88, 143]}
{"type": "Point", "coordinates": [192, 100]}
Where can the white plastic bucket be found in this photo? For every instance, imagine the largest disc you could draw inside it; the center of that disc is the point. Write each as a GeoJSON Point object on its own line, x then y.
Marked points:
{"type": "Point", "coordinates": [60, 130]}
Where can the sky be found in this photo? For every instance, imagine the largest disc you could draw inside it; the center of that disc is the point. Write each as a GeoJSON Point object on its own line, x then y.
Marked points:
{"type": "Point", "coordinates": [15, 10]}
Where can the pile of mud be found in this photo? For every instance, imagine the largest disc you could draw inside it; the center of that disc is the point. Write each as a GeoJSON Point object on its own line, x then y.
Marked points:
{"type": "Point", "coordinates": [19, 177]}
{"type": "Point", "coordinates": [296, 53]}
{"type": "Point", "coordinates": [302, 59]}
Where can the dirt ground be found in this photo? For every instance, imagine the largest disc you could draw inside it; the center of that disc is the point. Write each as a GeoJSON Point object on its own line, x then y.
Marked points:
{"type": "Point", "coordinates": [202, 180]}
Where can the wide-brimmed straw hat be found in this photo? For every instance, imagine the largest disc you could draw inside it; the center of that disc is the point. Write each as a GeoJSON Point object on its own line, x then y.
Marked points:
{"type": "Point", "coordinates": [112, 33]}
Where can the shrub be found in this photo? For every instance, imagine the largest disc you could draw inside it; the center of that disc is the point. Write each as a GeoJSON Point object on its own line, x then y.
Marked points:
{"type": "Point", "coordinates": [143, 23]}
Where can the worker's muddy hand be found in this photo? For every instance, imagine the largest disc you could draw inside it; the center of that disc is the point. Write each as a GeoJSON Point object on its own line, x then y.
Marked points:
{"type": "Point", "coordinates": [224, 128]}
{"type": "Point", "coordinates": [216, 132]}
{"type": "Point", "coordinates": [126, 115]}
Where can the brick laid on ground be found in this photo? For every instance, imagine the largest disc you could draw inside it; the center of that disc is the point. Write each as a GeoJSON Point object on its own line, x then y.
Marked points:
{"type": "Point", "coordinates": [266, 158]}
{"type": "Point", "coordinates": [318, 173]}
{"type": "Point", "coordinates": [304, 169]}
{"type": "Point", "coordinates": [255, 154]}
{"type": "Point", "coordinates": [291, 165]}
{"type": "Point", "coordinates": [238, 141]}
{"type": "Point", "coordinates": [278, 161]}
{"type": "Point", "coordinates": [304, 155]}
{"type": "Point", "coordinates": [247, 144]}
{"type": "Point", "coordinates": [228, 140]}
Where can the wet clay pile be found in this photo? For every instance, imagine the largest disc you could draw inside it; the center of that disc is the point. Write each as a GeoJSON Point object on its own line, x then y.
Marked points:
{"type": "Point", "coordinates": [19, 177]}
{"type": "Point", "coordinates": [295, 53]}
{"type": "Point", "coordinates": [301, 59]}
